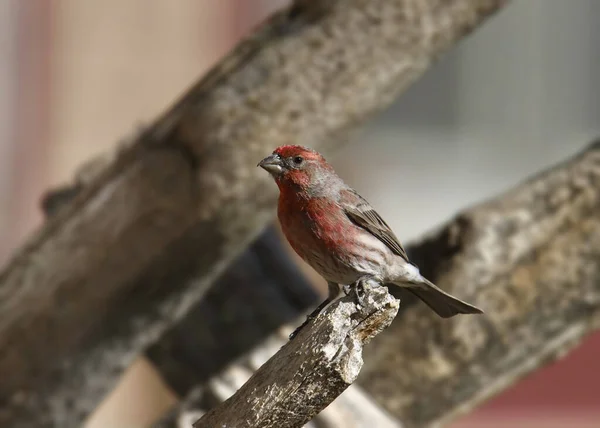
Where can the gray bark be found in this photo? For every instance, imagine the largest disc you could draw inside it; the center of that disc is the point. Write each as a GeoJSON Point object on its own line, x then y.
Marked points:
{"type": "Point", "coordinates": [531, 260]}
{"type": "Point", "coordinates": [352, 409]}
{"type": "Point", "coordinates": [309, 372]}
{"type": "Point", "coordinates": [114, 269]}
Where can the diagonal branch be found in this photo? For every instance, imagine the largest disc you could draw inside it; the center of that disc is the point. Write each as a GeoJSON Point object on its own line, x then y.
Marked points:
{"type": "Point", "coordinates": [309, 372]}
{"type": "Point", "coordinates": [141, 243]}
{"type": "Point", "coordinates": [531, 259]}
{"type": "Point", "coordinates": [352, 409]}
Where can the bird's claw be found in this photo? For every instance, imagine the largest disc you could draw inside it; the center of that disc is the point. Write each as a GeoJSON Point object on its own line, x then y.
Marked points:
{"type": "Point", "coordinates": [360, 289]}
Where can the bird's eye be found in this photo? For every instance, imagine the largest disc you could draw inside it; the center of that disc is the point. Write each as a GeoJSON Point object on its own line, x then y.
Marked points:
{"type": "Point", "coordinates": [298, 160]}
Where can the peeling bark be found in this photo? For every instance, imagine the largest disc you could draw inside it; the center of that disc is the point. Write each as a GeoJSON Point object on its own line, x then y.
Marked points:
{"type": "Point", "coordinates": [352, 409]}
{"type": "Point", "coordinates": [309, 372]}
{"type": "Point", "coordinates": [530, 259]}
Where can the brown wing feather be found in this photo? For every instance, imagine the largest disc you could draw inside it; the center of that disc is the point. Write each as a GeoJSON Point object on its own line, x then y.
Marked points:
{"type": "Point", "coordinates": [366, 217]}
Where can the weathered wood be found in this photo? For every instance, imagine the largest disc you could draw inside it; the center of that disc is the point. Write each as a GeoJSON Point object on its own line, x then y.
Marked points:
{"type": "Point", "coordinates": [531, 260]}
{"type": "Point", "coordinates": [139, 245]}
{"type": "Point", "coordinates": [261, 291]}
{"type": "Point", "coordinates": [352, 409]}
{"type": "Point", "coordinates": [309, 372]}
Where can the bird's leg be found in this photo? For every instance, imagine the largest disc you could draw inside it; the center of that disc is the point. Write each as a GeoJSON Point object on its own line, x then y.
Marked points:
{"type": "Point", "coordinates": [359, 292]}
{"type": "Point", "coordinates": [360, 286]}
{"type": "Point", "coordinates": [333, 291]}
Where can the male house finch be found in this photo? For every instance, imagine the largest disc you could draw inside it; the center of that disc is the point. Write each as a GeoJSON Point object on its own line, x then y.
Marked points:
{"type": "Point", "coordinates": [337, 232]}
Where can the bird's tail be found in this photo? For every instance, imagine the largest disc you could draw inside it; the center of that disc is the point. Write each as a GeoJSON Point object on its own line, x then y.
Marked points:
{"type": "Point", "coordinates": [442, 303]}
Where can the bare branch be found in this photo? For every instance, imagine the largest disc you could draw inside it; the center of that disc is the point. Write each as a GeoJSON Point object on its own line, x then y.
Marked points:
{"type": "Point", "coordinates": [531, 260]}
{"type": "Point", "coordinates": [352, 409]}
{"type": "Point", "coordinates": [310, 371]}
{"type": "Point", "coordinates": [127, 258]}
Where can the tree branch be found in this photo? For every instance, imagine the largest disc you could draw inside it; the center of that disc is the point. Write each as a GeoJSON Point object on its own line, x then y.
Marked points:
{"type": "Point", "coordinates": [309, 372]}
{"type": "Point", "coordinates": [530, 258]}
{"type": "Point", "coordinates": [352, 409]}
{"type": "Point", "coordinates": [127, 258]}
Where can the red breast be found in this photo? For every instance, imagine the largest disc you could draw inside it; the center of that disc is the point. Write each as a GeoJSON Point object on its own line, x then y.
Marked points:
{"type": "Point", "coordinates": [310, 223]}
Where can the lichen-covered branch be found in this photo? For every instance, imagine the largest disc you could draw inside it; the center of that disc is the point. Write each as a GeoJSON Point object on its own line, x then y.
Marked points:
{"type": "Point", "coordinates": [309, 372]}
{"type": "Point", "coordinates": [531, 260]}
{"type": "Point", "coordinates": [352, 409]}
{"type": "Point", "coordinates": [141, 242]}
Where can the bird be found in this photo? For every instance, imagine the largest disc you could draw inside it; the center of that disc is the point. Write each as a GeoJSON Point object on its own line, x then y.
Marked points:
{"type": "Point", "coordinates": [341, 236]}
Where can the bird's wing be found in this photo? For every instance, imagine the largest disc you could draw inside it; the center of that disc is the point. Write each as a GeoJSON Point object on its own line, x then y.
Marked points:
{"type": "Point", "coordinates": [362, 214]}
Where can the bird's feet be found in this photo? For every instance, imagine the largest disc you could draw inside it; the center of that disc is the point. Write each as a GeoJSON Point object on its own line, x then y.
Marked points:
{"type": "Point", "coordinates": [359, 291]}
{"type": "Point", "coordinates": [359, 287]}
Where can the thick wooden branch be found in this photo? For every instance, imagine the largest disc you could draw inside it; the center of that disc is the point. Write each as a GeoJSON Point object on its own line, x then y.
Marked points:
{"type": "Point", "coordinates": [352, 409]}
{"type": "Point", "coordinates": [260, 292]}
{"type": "Point", "coordinates": [531, 259]}
{"type": "Point", "coordinates": [309, 372]}
{"type": "Point", "coordinates": [139, 245]}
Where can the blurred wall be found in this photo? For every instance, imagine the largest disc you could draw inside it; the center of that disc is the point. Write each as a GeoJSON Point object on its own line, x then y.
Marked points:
{"type": "Point", "coordinates": [26, 48]}
{"type": "Point", "coordinates": [8, 79]}
{"type": "Point", "coordinates": [516, 97]}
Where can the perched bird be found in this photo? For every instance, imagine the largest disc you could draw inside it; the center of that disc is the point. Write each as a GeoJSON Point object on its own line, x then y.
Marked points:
{"type": "Point", "coordinates": [339, 234]}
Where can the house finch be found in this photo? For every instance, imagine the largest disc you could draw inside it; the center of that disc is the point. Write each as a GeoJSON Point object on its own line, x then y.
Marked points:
{"type": "Point", "coordinates": [337, 232]}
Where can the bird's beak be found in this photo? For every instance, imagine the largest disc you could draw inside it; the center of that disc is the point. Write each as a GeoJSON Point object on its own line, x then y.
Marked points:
{"type": "Point", "coordinates": [272, 164]}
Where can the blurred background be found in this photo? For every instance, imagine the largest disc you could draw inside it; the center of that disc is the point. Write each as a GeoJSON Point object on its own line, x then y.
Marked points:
{"type": "Point", "coordinates": [517, 96]}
